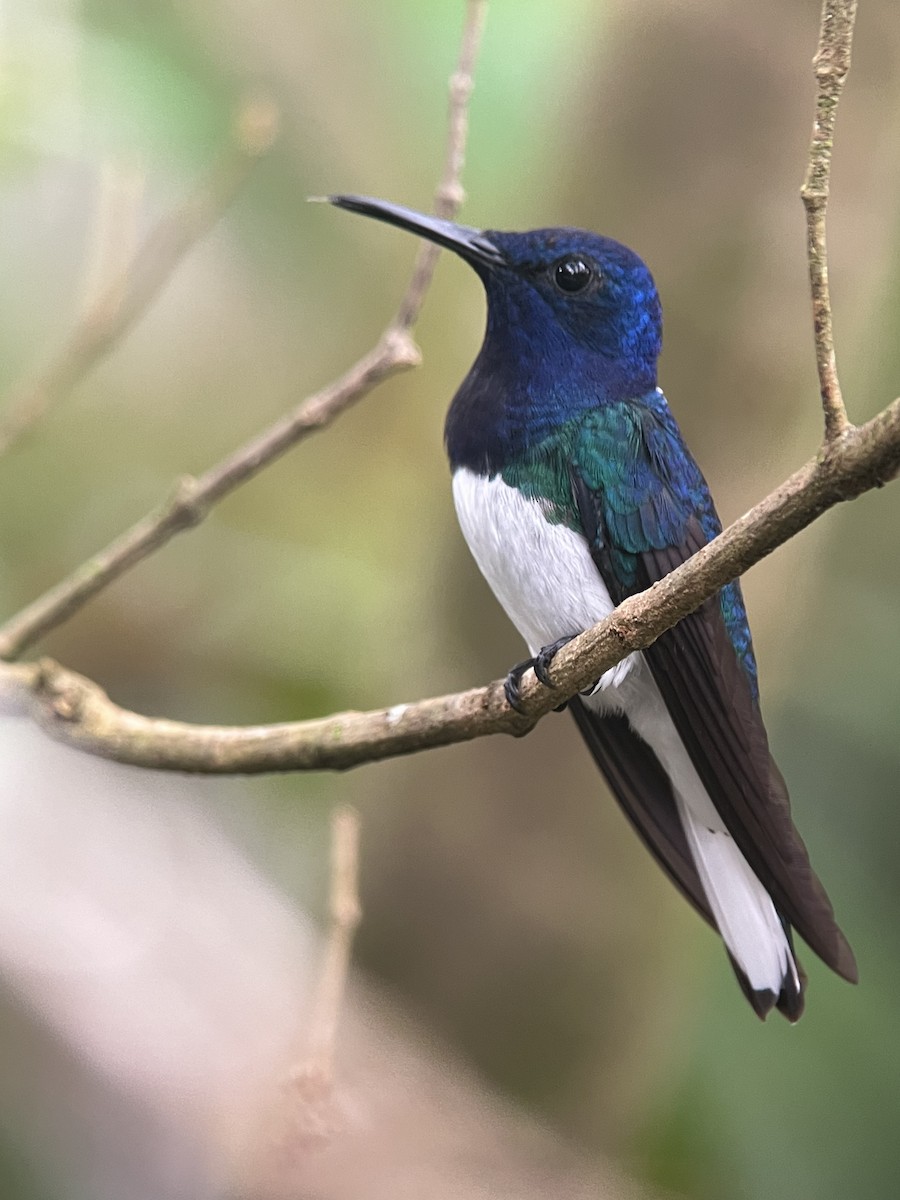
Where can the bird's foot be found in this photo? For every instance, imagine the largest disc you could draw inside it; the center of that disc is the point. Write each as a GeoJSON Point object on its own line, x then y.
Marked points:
{"type": "Point", "coordinates": [543, 660]}
{"type": "Point", "coordinates": [512, 688]}
{"type": "Point", "coordinates": [540, 664]}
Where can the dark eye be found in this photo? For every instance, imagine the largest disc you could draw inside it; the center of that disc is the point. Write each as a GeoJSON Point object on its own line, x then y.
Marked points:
{"type": "Point", "coordinates": [572, 274]}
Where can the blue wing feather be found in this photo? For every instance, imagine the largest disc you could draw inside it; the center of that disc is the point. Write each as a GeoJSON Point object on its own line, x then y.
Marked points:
{"type": "Point", "coordinates": [649, 490]}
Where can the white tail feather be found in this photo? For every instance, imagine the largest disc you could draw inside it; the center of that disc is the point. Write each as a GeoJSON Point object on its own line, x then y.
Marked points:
{"type": "Point", "coordinates": [743, 909]}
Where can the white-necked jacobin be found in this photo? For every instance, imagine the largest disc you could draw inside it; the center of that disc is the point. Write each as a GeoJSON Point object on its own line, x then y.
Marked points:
{"type": "Point", "coordinates": [574, 489]}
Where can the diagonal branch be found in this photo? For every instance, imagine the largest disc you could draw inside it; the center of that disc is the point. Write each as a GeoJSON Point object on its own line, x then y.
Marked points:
{"type": "Point", "coordinates": [831, 64]}
{"type": "Point", "coordinates": [78, 712]}
{"type": "Point", "coordinates": [192, 498]}
{"type": "Point", "coordinates": [125, 299]}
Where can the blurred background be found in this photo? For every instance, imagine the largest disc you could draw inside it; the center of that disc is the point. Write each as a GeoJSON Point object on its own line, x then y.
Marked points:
{"type": "Point", "coordinates": [513, 924]}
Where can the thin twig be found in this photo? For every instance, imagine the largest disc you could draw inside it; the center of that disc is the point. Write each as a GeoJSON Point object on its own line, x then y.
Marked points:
{"type": "Point", "coordinates": [345, 913]}
{"type": "Point", "coordinates": [312, 1115]}
{"type": "Point", "coordinates": [831, 64]}
{"type": "Point", "coordinates": [114, 236]}
{"type": "Point", "coordinates": [449, 196]}
{"type": "Point", "coordinates": [125, 299]}
{"type": "Point", "coordinates": [193, 498]}
{"type": "Point", "coordinates": [78, 712]}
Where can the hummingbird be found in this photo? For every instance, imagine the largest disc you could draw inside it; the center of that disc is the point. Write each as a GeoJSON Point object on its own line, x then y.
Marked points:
{"type": "Point", "coordinates": [574, 489]}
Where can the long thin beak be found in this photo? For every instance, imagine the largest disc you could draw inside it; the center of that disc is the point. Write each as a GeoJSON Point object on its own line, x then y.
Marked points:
{"type": "Point", "coordinates": [470, 244]}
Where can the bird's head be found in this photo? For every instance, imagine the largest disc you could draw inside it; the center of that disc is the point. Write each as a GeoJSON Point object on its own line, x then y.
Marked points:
{"type": "Point", "coordinates": [565, 293]}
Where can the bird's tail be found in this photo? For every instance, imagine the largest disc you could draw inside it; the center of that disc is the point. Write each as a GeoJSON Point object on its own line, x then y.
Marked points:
{"type": "Point", "coordinates": [757, 939]}
{"type": "Point", "coordinates": [707, 867]}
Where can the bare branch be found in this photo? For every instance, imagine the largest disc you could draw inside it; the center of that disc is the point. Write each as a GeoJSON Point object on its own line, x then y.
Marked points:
{"type": "Point", "coordinates": [831, 64]}
{"type": "Point", "coordinates": [114, 237]}
{"type": "Point", "coordinates": [449, 197]}
{"type": "Point", "coordinates": [78, 712]}
{"type": "Point", "coordinates": [345, 913]}
{"type": "Point", "coordinates": [125, 299]}
{"type": "Point", "coordinates": [193, 498]}
{"type": "Point", "coordinates": [312, 1115]}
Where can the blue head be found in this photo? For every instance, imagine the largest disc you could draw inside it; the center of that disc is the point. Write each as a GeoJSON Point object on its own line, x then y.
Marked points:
{"type": "Point", "coordinates": [574, 322]}
{"type": "Point", "coordinates": [573, 294]}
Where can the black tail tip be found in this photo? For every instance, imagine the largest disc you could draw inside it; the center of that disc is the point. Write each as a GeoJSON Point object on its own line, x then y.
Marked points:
{"type": "Point", "coordinates": [790, 1001]}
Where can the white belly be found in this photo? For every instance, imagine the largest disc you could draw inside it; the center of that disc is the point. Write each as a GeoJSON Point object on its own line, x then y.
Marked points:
{"type": "Point", "coordinates": [541, 573]}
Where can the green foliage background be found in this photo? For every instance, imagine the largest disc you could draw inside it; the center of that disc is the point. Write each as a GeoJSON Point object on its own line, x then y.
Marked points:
{"type": "Point", "coordinates": [505, 899]}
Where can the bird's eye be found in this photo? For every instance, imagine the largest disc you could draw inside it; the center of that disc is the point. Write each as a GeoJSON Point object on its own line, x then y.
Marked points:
{"type": "Point", "coordinates": [572, 274]}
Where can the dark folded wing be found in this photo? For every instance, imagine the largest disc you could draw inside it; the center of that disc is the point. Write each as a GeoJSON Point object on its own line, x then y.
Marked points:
{"type": "Point", "coordinates": [709, 696]}
{"type": "Point", "coordinates": [644, 793]}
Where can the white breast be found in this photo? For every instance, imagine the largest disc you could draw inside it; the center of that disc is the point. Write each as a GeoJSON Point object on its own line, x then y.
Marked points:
{"type": "Point", "coordinates": [542, 573]}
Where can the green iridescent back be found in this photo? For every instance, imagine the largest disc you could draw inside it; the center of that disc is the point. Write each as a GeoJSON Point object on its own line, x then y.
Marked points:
{"type": "Point", "coordinates": [647, 488]}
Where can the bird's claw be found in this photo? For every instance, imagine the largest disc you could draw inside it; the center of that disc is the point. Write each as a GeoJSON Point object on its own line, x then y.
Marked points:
{"type": "Point", "coordinates": [512, 686]}
{"type": "Point", "coordinates": [544, 659]}
{"type": "Point", "coordinates": [540, 664]}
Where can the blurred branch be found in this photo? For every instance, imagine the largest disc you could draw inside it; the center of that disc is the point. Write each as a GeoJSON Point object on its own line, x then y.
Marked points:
{"type": "Point", "coordinates": [121, 185]}
{"type": "Point", "coordinates": [831, 64]}
{"type": "Point", "coordinates": [123, 301]}
{"type": "Point", "coordinates": [449, 196]}
{"type": "Point", "coordinates": [193, 498]}
{"type": "Point", "coordinates": [312, 1116]}
{"type": "Point", "coordinates": [78, 712]}
{"type": "Point", "coordinates": [345, 913]}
